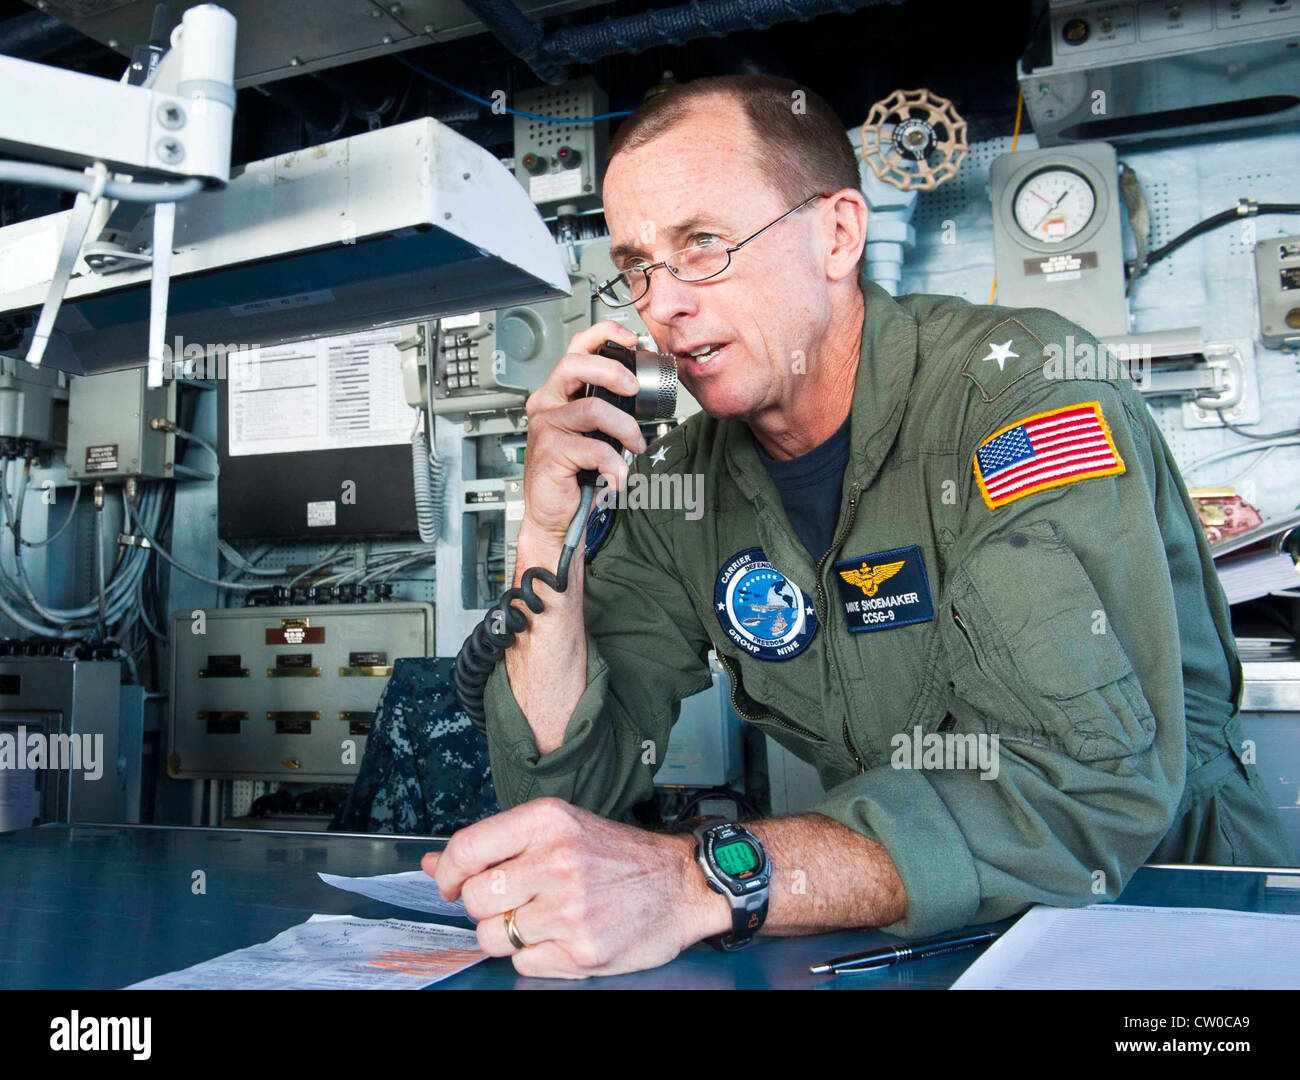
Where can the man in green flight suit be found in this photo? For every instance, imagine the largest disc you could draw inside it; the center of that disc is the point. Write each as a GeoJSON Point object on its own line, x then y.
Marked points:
{"type": "Point", "coordinates": [971, 591]}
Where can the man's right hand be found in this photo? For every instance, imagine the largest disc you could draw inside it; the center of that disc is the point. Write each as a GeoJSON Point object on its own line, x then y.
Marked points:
{"type": "Point", "coordinates": [548, 663]}
{"type": "Point", "coordinates": [558, 418]}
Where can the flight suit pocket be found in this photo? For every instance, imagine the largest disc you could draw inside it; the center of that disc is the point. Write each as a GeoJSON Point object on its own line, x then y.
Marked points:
{"type": "Point", "coordinates": [1033, 622]}
{"type": "Point", "coordinates": [759, 714]}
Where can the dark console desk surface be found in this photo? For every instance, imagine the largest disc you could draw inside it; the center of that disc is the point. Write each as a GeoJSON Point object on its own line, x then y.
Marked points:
{"type": "Point", "coordinates": [102, 906]}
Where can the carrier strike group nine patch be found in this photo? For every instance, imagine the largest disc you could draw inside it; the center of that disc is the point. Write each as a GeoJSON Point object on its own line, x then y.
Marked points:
{"type": "Point", "coordinates": [760, 609]}
{"type": "Point", "coordinates": [1045, 450]}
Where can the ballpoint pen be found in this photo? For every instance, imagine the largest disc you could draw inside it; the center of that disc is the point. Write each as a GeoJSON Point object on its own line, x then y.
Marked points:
{"type": "Point", "coordinates": [889, 955]}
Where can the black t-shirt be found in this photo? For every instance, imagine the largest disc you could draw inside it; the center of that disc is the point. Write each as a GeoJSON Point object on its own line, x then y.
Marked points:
{"type": "Point", "coordinates": [810, 488]}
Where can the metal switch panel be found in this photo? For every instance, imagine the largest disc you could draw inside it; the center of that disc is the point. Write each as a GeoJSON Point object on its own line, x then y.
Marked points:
{"type": "Point", "coordinates": [284, 693]}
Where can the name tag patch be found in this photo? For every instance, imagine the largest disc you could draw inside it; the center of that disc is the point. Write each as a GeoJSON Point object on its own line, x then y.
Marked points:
{"type": "Point", "coordinates": [760, 609]}
{"type": "Point", "coordinates": [884, 590]}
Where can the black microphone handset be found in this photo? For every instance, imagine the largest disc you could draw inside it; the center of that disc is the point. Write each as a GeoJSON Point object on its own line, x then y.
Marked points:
{"type": "Point", "coordinates": [655, 399]}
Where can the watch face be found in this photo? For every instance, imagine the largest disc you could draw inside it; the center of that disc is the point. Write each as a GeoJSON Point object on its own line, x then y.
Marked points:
{"type": "Point", "coordinates": [736, 858]}
{"type": "Point", "coordinates": [1054, 204]}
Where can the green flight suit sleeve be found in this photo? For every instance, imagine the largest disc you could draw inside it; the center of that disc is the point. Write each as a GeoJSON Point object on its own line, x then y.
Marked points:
{"type": "Point", "coordinates": [646, 652]}
{"type": "Point", "coordinates": [1067, 653]}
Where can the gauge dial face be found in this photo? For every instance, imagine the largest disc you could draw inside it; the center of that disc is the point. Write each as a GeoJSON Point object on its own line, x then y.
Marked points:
{"type": "Point", "coordinates": [1054, 204]}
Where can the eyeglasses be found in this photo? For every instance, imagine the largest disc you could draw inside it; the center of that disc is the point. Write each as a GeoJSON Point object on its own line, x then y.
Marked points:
{"type": "Point", "coordinates": [698, 262]}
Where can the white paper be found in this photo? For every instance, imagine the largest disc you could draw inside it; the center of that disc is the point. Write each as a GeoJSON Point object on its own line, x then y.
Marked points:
{"type": "Point", "coordinates": [1246, 577]}
{"type": "Point", "coordinates": [335, 952]}
{"type": "Point", "coordinates": [414, 890]}
{"type": "Point", "coordinates": [322, 394]}
{"type": "Point", "coordinates": [1122, 947]}
{"type": "Point", "coordinates": [324, 512]}
{"type": "Point", "coordinates": [20, 802]}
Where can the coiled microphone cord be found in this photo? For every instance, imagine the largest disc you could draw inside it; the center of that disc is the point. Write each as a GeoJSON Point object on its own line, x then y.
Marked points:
{"type": "Point", "coordinates": [504, 622]}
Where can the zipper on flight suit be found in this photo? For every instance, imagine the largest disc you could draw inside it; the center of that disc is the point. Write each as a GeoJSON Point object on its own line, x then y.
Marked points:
{"type": "Point", "coordinates": [780, 720]}
{"type": "Point", "coordinates": [821, 610]}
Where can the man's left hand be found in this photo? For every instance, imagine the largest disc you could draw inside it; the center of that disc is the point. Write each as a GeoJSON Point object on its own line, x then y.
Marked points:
{"type": "Point", "coordinates": [590, 896]}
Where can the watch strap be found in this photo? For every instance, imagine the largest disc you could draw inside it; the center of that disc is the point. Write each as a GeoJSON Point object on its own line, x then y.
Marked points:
{"type": "Point", "coordinates": [745, 923]}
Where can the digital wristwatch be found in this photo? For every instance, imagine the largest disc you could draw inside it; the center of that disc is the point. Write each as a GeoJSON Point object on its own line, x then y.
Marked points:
{"type": "Point", "coordinates": [735, 865]}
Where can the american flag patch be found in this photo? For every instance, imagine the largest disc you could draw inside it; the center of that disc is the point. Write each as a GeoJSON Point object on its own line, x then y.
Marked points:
{"type": "Point", "coordinates": [1045, 450]}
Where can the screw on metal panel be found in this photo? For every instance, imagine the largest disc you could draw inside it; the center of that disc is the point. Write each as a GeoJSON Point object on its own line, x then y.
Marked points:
{"type": "Point", "coordinates": [447, 215]}
{"type": "Point", "coordinates": [171, 116]}
{"type": "Point", "coordinates": [396, 9]}
{"type": "Point", "coordinates": [464, 176]}
{"type": "Point", "coordinates": [375, 13]}
{"type": "Point", "coordinates": [294, 61]}
{"type": "Point", "coordinates": [171, 151]}
{"type": "Point", "coordinates": [387, 39]}
{"type": "Point", "coordinates": [428, 28]}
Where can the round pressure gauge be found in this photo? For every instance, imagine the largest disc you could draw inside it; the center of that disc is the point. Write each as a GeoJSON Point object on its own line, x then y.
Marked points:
{"type": "Point", "coordinates": [1054, 204]}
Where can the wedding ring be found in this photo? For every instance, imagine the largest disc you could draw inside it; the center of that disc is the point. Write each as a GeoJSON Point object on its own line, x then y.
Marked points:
{"type": "Point", "coordinates": [512, 933]}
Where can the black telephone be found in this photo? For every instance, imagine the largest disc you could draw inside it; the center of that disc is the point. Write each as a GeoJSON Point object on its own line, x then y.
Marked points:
{"type": "Point", "coordinates": [655, 399]}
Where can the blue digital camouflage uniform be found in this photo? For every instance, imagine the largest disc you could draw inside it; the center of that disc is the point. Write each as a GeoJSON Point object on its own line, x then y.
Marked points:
{"type": "Point", "coordinates": [425, 770]}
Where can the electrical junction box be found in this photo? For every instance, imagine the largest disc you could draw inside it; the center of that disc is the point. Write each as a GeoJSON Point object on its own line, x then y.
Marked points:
{"type": "Point", "coordinates": [109, 436]}
{"type": "Point", "coordinates": [1277, 271]}
{"type": "Point", "coordinates": [562, 163]}
{"type": "Point", "coordinates": [284, 693]}
{"type": "Point", "coordinates": [33, 403]}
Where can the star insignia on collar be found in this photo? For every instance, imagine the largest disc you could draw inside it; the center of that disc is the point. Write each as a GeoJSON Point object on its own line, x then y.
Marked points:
{"type": "Point", "coordinates": [658, 456]}
{"type": "Point", "coordinates": [1001, 353]}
